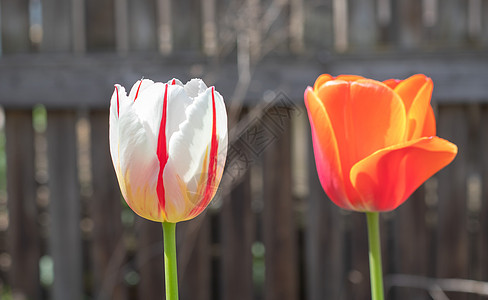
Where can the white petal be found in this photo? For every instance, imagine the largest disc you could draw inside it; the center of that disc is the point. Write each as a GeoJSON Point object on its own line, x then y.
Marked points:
{"type": "Point", "coordinates": [139, 167]}
{"type": "Point", "coordinates": [118, 106]}
{"type": "Point", "coordinates": [149, 108]}
{"type": "Point", "coordinates": [189, 145]}
{"type": "Point", "coordinates": [189, 152]}
{"type": "Point", "coordinates": [175, 81]}
{"type": "Point", "coordinates": [178, 101]}
{"type": "Point", "coordinates": [195, 87]}
{"type": "Point", "coordinates": [140, 86]}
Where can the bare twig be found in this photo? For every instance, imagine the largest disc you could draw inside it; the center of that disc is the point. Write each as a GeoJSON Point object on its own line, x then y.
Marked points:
{"type": "Point", "coordinates": [437, 286]}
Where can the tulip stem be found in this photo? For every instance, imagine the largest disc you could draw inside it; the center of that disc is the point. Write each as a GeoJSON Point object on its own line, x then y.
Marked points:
{"type": "Point", "coordinates": [170, 267]}
{"type": "Point", "coordinates": [375, 268]}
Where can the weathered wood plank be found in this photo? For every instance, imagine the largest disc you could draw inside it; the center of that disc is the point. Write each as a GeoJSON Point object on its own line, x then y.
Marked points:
{"type": "Point", "coordinates": [296, 27]}
{"type": "Point", "coordinates": [56, 25]}
{"type": "Point", "coordinates": [409, 18]}
{"type": "Point", "coordinates": [121, 16]}
{"type": "Point", "coordinates": [483, 215]}
{"type": "Point", "coordinates": [209, 28]}
{"type": "Point", "coordinates": [142, 25]}
{"type": "Point", "coordinates": [26, 81]}
{"type": "Point", "coordinates": [164, 17]}
{"type": "Point", "coordinates": [79, 26]}
{"type": "Point", "coordinates": [64, 206]}
{"type": "Point", "coordinates": [452, 239]}
{"type": "Point", "coordinates": [15, 26]}
{"type": "Point", "coordinates": [410, 224]}
{"type": "Point", "coordinates": [281, 279]}
{"type": "Point", "coordinates": [107, 246]}
{"type": "Point", "coordinates": [484, 24]}
{"type": "Point", "coordinates": [341, 25]}
{"type": "Point", "coordinates": [23, 239]}
{"type": "Point", "coordinates": [237, 233]}
{"type": "Point", "coordinates": [452, 29]}
{"type": "Point", "coordinates": [325, 242]}
{"type": "Point", "coordinates": [363, 26]}
{"type": "Point", "coordinates": [318, 25]}
{"type": "Point", "coordinates": [187, 26]}
{"type": "Point", "coordinates": [100, 30]}
{"type": "Point", "coordinates": [357, 262]}
{"type": "Point", "coordinates": [194, 258]}
{"type": "Point", "coordinates": [149, 257]}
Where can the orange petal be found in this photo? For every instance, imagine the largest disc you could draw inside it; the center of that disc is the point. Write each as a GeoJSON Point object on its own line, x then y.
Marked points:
{"type": "Point", "coordinates": [326, 77]}
{"type": "Point", "coordinates": [387, 178]}
{"type": "Point", "coordinates": [365, 115]}
{"type": "Point", "coordinates": [321, 80]}
{"type": "Point", "coordinates": [326, 151]}
{"type": "Point", "coordinates": [429, 124]}
{"type": "Point", "coordinates": [392, 83]}
{"type": "Point", "coordinates": [408, 89]}
{"type": "Point", "coordinates": [418, 111]}
{"type": "Point", "coordinates": [349, 77]}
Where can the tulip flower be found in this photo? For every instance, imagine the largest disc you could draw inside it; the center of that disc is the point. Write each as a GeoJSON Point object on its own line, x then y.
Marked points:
{"type": "Point", "coordinates": [374, 142]}
{"type": "Point", "coordinates": [168, 143]}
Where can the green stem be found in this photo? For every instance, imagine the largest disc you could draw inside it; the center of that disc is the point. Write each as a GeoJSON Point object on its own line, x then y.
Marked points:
{"type": "Point", "coordinates": [375, 268]}
{"type": "Point", "coordinates": [170, 268]}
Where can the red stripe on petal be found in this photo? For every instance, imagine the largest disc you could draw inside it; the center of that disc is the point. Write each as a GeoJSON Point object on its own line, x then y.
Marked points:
{"type": "Point", "coordinates": [138, 88]}
{"type": "Point", "coordinates": [212, 166]}
{"type": "Point", "coordinates": [118, 105]}
{"type": "Point", "coordinates": [162, 151]}
{"type": "Point", "coordinates": [173, 82]}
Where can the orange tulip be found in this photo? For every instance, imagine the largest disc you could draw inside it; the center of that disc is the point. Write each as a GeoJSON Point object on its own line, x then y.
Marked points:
{"type": "Point", "coordinates": [374, 142]}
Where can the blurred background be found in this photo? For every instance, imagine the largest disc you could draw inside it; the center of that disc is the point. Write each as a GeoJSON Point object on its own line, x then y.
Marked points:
{"type": "Point", "coordinates": [270, 233]}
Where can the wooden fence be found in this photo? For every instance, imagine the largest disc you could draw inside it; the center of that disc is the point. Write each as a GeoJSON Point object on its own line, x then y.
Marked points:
{"type": "Point", "coordinates": [271, 233]}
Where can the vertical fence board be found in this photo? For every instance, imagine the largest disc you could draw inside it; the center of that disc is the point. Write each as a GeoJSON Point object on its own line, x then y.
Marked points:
{"type": "Point", "coordinates": [209, 28]}
{"type": "Point", "coordinates": [357, 249]}
{"type": "Point", "coordinates": [15, 26]}
{"type": "Point", "coordinates": [236, 223]}
{"type": "Point", "coordinates": [296, 26]}
{"type": "Point", "coordinates": [149, 258]}
{"type": "Point", "coordinates": [100, 30]}
{"type": "Point", "coordinates": [341, 25]}
{"type": "Point", "coordinates": [56, 25]}
{"type": "Point", "coordinates": [325, 275]}
{"type": "Point", "coordinates": [79, 24]}
{"type": "Point", "coordinates": [108, 248]}
{"type": "Point", "coordinates": [64, 206]}
{"type": "Point", "coordinates": [121, 30]}
{"type": "Point", "coordinates": [483, 216]}
{"type": "Point", "coordinates": [452, 28]}
{"type": "Point", "coordinates": [409, 18]}
{"type": "Point", "coordinates": [318, 29]}
{"type": "Point", "coordinates": [385, 24]}
{"type": "Point", "coordinates": [23, 234]}
{"type": "Point", "coordinates": [484, 24]}
{"type": "Point", "coordinates": [187, 26]}
{"type": "Point", "coordinates": [411, 258]}
{"type": "Point", "coordinates": [279, 221]}
{"type": "Point", "coordinates": [142, 28]}
{"type": "Point", "coordinates": [363, 25]}
{"type": "Point", "coordinates": [452, 238]}
{"type": "Point", "coordinates": [165, 34]}
{"type": "Point", "coordinates": [193, 242]}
